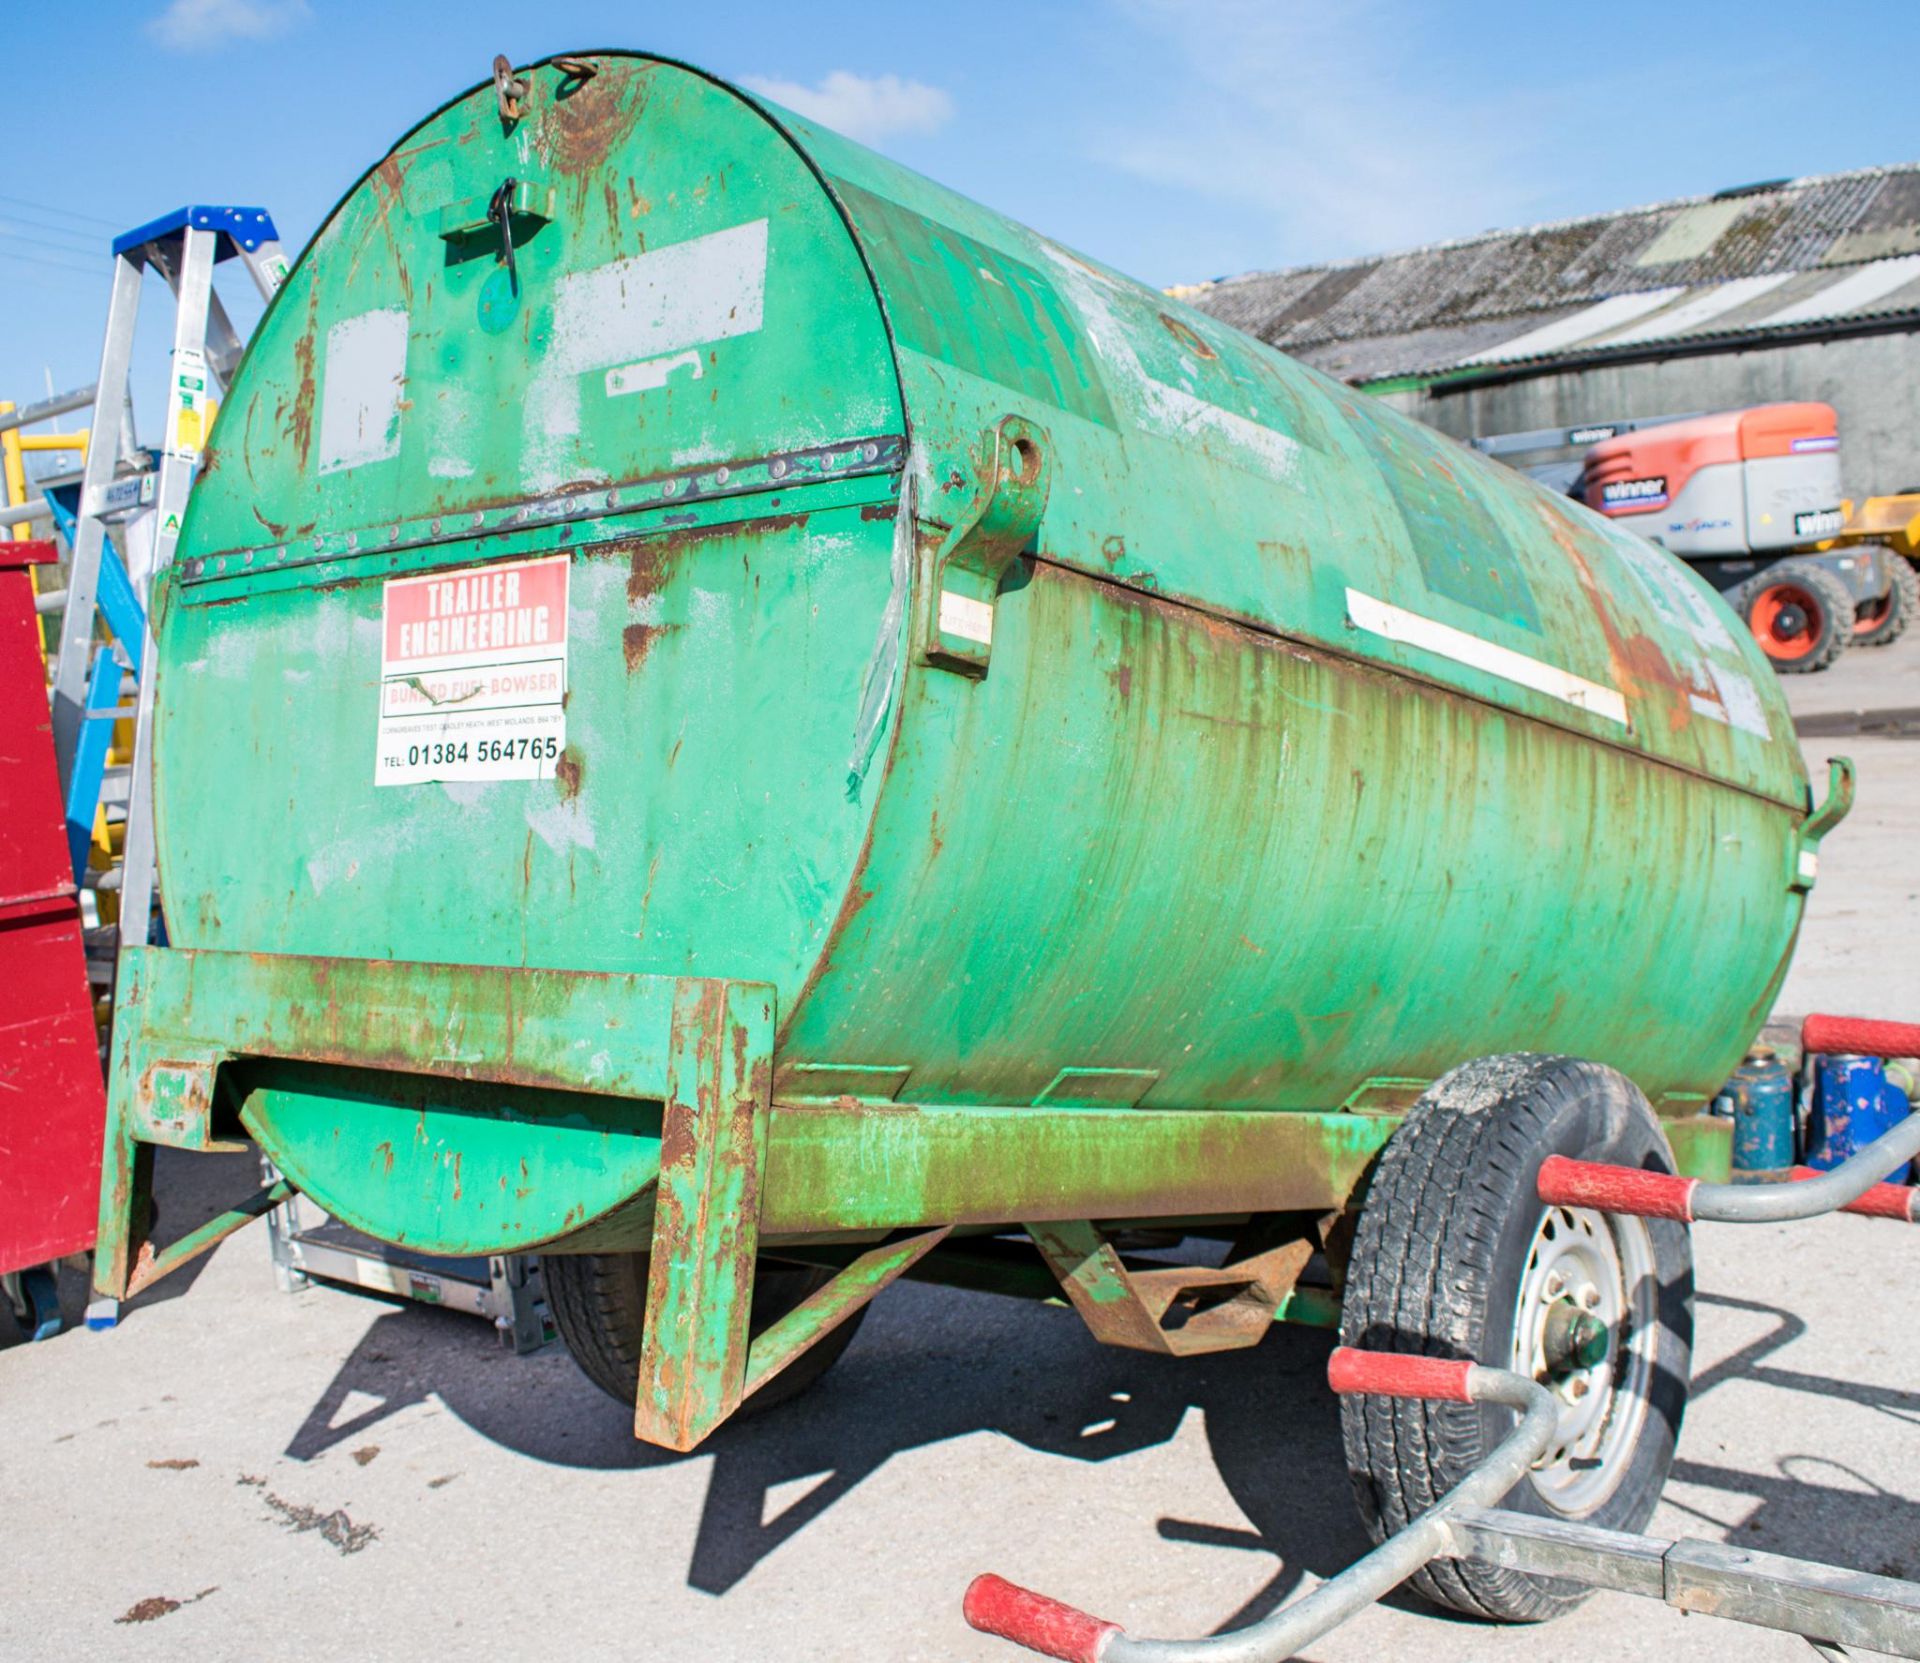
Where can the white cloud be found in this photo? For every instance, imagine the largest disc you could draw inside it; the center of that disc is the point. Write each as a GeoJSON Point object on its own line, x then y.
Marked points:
{"type": "Point", "coordinates": [864, 107]}
{"type": "Point", "coordinates": [1326, 118]}
{"type": "Point", "coordinates": [202, 25]}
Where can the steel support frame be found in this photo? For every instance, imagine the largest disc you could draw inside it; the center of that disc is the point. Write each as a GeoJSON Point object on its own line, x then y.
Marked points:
{"type": "Point", "coordinates": [706, 1223]}
{"type": "Point", "coordinates": [1226, 1308]}
{"type": "Point", "coordinates": [735, 1169]}
{"type": "Point", "coordinates": [1826, 1603]}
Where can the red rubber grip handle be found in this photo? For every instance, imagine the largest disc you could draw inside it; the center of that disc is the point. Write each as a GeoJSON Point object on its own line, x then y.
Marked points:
{"type": "Point", "coordinates": [1861, 1035]}
{"type": "Point", "coordinates": [1615, 1189]}
{"type": "Point", "coordinates": [1395, 1374]}
{"type": "Point", "coordinates": [996, 1606]}
{"type": "Point", "coordinates": [1893, 1201]}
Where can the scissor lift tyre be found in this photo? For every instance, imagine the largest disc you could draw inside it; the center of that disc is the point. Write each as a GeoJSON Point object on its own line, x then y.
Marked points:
{"type": "Point", "coordinates": [1884, 621]}
{"type": "Point", "coordinates": [598, 1301]}
{"type": "Point", "coordinates": [1800, 613]}
{"type": "Point", "coordinates": [1456, 1257]}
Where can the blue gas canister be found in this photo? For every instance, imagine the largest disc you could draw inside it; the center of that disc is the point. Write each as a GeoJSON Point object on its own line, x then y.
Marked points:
{"type": "Point", "coordinates": [1851, 1107]}
{"type": "Point", "coordinates": [1762, 1092]}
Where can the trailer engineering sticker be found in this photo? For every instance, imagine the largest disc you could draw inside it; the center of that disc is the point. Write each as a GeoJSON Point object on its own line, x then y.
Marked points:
{"type": "Point", "coordinates": [473, 674]}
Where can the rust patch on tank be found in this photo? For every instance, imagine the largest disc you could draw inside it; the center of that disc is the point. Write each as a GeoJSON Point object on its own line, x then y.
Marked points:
{"type": "Point", "coordinates": [582, 129]}
{"type": "Point", "coordinates": [389, 178]}
{"type": "Point", "coordinates": [1636, 659]}
{"type": "Point", "coordinates": [637, 640]}
{"type": "Point", "coordinates": [570, 772]}
{"type": "Point", "coordinates": [301, 425]}
{"type": "Point", "coordinates": [652, 558]}
{"type": "Point", "coordinates": [1187, 336]}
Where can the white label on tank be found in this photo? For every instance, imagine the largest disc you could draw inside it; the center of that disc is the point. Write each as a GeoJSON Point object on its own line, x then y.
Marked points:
{"type": "Point", "coordinates": [969, 619]}
{"type": "Point", "coordinates": [661, 302]}
{"type": "Point", "coordinates": [360, 384]}
{"type": "Point", "coordinates": [1740, 699]}
{"type": "Point", "coordinates": [650, 373]}
{"type": "Point", "coordinates": [1430, 635]}
{"type": "Point", "coordinates": [473, 674]}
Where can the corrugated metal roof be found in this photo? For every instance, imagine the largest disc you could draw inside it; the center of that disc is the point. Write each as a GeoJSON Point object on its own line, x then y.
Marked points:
{"type": "Point", "coordinates": [1799, 253]}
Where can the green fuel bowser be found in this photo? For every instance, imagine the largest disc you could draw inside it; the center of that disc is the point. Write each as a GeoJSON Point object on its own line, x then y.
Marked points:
{"type": "Point", "coordinates": [735, 720]}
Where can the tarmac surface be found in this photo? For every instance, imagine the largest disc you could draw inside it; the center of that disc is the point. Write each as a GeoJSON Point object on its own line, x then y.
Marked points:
{"type": "Point", "coordinates": [239, 1473]}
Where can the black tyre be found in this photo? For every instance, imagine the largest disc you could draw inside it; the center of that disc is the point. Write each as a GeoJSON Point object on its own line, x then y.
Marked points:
{"type": "Point", "coordinates": [1800, 613]}
{"type": "Point", "coordinates": [598, 1301]}
{"type": "Point", "coordinates": [1876, 623]}
{"type": "Point", "coordinates": [1456, 1257]}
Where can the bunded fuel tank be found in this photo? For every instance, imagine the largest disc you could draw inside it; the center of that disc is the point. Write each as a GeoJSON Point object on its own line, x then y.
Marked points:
{"type": "Point", "coordinates": [651, 533]}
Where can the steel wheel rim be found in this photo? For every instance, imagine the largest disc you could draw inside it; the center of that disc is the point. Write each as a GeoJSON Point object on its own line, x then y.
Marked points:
{"type": "Point", "coordinates": [1786, 619]}
{"type": "Point", "coordinates": [1583, 1263]}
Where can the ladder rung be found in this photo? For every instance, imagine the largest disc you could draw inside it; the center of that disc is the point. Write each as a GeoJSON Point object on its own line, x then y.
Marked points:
{"type": "Point", "coordinates": [47, 408]}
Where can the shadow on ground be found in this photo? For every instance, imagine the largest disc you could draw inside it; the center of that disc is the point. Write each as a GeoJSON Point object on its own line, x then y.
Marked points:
{"type": "Point", "coordinates": [928, 1366]}
{"type": "Point", "coordinates": [189, 1190]}
{"type": "Point", "coordinates": [933, 1364]}
{"type": "Point", "coordinates": [1814, 1499]}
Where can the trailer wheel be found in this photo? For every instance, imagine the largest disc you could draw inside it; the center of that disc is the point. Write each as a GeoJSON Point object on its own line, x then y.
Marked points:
{"type": "Point", "coordinates": [1876, 623]}
{"type": "Point", "coordinates": [1456, 1257]}
{"type": "Point", "coordinates": [599, 1299]}
{"type": "Point", "coordinates": [1801, 615]}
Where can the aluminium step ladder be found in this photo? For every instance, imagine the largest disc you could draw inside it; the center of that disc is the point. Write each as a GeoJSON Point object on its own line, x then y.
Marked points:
{"type": "Point", "coordinates": [183, 247]}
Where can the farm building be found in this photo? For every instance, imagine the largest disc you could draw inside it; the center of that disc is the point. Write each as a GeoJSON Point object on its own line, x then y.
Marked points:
{"type": "Point", "coordinates": [1792, 289]}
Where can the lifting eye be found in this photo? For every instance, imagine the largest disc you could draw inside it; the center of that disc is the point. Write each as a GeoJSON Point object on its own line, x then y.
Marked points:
{"type": "Point", "coordinates": [511, 89]}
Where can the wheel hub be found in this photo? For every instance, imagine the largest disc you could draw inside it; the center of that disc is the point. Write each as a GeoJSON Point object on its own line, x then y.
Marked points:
{"type": "Point", "coordinates": [1584, 1326]}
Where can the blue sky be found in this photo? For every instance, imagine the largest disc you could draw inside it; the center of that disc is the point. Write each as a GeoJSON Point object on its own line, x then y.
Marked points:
{"type": "Point", "coordinates": [1177, 139]}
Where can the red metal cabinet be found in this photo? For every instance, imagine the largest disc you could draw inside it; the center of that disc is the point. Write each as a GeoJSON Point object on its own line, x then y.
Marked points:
{"type": "Point", "coordinates": [52, 1098]}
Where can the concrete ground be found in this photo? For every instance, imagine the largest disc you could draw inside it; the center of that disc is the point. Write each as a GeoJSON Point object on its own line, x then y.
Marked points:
{"type": "Point", "coordinates": [239, 1473]}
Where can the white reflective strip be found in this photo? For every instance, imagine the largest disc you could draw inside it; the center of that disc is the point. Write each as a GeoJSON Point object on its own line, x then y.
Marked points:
{"type": "Point", "coordinates": [966, 617]}
{"type": "Point", "coordinates": [1859, 288]}
{"type": "Point", "coordinates": [1596, 319]}
{"type": "Point", "coordinates": [1430, 635]}
{"type": "Point", "coordinates": [1701, 309]}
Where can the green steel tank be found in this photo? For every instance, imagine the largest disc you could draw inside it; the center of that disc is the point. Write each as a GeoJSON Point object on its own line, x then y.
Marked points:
{"type": "Point", "coordinates": [734, 719]}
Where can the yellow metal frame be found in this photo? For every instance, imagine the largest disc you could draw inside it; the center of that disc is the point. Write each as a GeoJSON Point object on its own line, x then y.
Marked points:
{"type": "Point", "coordinates": [1893, 520]}
{"type": "Point", "coordinates": [14, 446]}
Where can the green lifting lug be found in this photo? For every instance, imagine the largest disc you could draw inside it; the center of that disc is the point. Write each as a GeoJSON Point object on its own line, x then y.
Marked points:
{"type": "Point", "coordinates": [955, 602]}
{"type": "Point", "coordinates": [1806, 864]}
